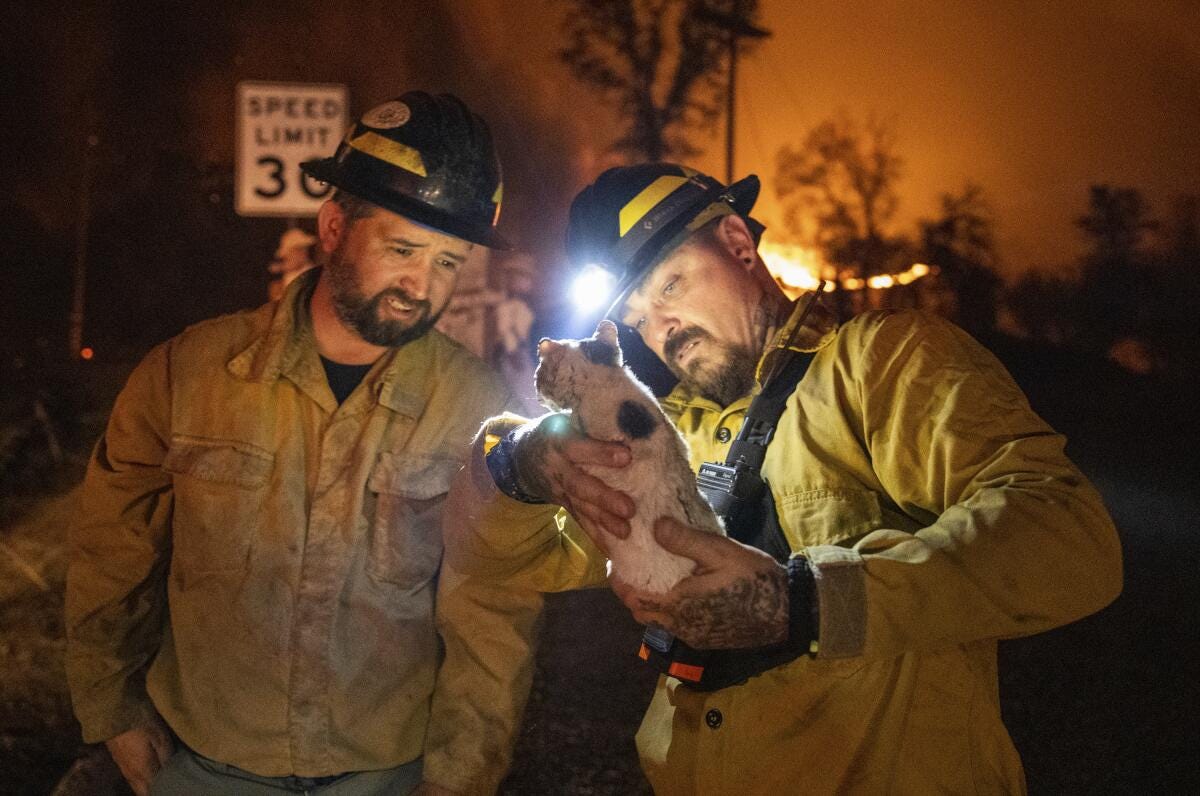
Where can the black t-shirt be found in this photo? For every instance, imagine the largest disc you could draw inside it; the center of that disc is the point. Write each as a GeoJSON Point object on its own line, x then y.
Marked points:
{"type": "Point", "coordinates": [343, 378]}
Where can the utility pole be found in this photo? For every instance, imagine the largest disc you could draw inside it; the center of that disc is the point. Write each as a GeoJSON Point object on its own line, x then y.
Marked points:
{"type": "Point", "coordinates": [737, 27]}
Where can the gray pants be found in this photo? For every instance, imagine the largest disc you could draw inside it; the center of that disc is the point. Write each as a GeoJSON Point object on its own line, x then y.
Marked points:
{"type": "Point", "coordinates": [190, 774]}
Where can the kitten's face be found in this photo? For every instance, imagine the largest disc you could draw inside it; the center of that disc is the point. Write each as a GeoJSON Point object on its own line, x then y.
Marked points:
{"type": "Point", "coordinates": [567, 367]}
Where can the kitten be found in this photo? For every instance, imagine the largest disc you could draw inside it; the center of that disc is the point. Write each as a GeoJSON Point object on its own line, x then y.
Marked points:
{"type": "Point", "coordinates": [607, 403]}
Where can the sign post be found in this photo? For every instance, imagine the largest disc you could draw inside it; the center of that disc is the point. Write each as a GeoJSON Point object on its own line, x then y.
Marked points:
{"type": "Point", "coordinates": [281, 125]}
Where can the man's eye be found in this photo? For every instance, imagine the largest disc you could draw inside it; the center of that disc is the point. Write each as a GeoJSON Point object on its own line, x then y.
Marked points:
{"type": "Point", "coordinates": [640, 324]}
{"type": "Point", "coordinates": [402, 251]}
{"type": "Point", "coordinates": [669, 288]}
{"type": "Point", "coordinates": [449, 264]}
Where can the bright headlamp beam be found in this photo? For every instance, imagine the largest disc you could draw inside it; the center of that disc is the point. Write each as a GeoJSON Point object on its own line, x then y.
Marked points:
{"type": "Point", "coordinates": [592, 288]}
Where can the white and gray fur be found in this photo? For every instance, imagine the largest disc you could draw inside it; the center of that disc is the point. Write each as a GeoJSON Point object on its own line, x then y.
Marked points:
{"type": "Point", "coordinates": [607, 403]}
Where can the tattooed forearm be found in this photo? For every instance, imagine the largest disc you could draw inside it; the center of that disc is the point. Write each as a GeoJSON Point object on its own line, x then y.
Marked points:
{"type": "Point", "coordinates": [750, 612]}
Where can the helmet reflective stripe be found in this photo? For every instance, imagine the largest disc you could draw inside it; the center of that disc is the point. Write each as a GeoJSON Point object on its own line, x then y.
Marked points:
{"type": "Point", "coordinates": [641, 204]}
{"type": "Point", "coordinates": [631, 216]}
{"type": "Point", "coordinates": [389, 151]}
{"type": "Point", "coordinates": [657, 220]}
{"type": "Point", "coordinates": [427, 158]}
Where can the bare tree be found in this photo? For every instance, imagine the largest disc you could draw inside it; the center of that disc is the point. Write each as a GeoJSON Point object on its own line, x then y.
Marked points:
{"type": "Point", "coordinates": [1176, 321]}
{"type": "Point", "coordinates": [839, 192]}
{"type": "Point", "coordinates": [959, 242]}
{"type": "Point", "coordinates": [665, 88]}
{"type": "Point", "coordinates": [1116, 222]}
{"type": "Point", "coordinates": [1116, 298]}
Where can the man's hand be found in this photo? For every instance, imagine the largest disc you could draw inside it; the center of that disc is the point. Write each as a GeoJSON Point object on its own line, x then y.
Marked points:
{"type": "Point", "coordinates": [141, 752]}
{"type": "Point", "coordinates": [735, 599]}
{"type": "Point", "coordinates": [549, 456]}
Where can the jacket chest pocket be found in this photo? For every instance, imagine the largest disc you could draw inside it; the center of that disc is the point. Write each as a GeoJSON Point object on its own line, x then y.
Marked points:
{"type": "Point", "coordinates": [405, 547]}
{"type": "Point", "coordinates": [219, 490]}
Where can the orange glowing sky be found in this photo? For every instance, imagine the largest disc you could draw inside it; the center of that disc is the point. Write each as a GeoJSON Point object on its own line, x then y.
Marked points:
{"type": "Point", "coordinates": [1035, 101]}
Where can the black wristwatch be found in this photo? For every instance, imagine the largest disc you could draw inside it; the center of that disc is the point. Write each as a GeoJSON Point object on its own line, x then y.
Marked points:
{"type": "Point", "coordinates": [803, 613]}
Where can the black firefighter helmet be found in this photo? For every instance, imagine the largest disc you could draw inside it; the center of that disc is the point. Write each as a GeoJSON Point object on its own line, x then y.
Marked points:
{"type": "Point", "coordinates": [425, 157]}
{"type": "Point", "coordinates": [633, 216]}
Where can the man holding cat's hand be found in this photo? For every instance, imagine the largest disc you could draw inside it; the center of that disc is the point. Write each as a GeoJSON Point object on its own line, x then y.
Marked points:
{"type": "Point", "coordinates": [929, 512]}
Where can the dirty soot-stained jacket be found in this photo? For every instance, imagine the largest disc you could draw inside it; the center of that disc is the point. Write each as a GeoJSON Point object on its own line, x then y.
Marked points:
{"type": "Point", "coordinates": [940, 515]}
{"type": "Point", "coordinates": [295, 542]}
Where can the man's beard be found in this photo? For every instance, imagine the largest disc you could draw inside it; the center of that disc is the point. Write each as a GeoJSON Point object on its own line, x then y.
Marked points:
{"type": "Point", "coordinates": [722, 372]}
{"type": "Point", "coordinates": [362, 313]}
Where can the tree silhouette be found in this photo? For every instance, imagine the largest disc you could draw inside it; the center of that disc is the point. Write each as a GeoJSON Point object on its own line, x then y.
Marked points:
{"type": "Point", "coordinates": [1115, 298]}
{"type": "Point", "coordinates": [960, 243]}
{"type": "Point", "coordinates": [664, 89]}
{"type": "Point", "coordinates": [839, 193]}
{"type": "Point", "coordinates": [1175, 284]}
{"type": "Point", "coordinates": [1042, 306]}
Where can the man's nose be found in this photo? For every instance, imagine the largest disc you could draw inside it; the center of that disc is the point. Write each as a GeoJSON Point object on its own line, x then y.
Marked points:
{"type": "Point", "coordinates": [659, 328]}
{"type": "Point", "coordinates": [415, 280]}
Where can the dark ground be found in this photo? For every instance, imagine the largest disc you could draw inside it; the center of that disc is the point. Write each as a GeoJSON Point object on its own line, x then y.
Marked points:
{"type": "Point", "coordinates": [1106, 705]}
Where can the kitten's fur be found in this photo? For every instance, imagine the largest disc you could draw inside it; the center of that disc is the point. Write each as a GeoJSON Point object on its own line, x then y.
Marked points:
{"type": "Point", "coordinates": [607, 403]}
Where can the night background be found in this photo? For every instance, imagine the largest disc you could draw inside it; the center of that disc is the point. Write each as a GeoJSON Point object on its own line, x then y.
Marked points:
{"type": "Point", "coordinates": [1039, 162]}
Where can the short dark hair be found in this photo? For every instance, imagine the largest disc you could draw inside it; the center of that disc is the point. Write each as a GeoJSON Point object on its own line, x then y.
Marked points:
{"type": "Point", "coordinates": [353, 207]}
{"type": "Point", "coordinates": [706, 235]}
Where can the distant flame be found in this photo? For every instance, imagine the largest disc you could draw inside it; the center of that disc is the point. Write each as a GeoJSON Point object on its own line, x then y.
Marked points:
{"type": "Point", "coordinates": [798, 268]}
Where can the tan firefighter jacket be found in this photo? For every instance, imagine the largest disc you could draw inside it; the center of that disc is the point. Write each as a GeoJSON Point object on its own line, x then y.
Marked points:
{"type": "Point", "coordinates": [940, 515]}
{"type": "Point", "coordinates": [257, 563]}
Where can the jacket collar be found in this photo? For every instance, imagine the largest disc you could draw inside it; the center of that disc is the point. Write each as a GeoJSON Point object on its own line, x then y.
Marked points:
{"type": "Point", "coordinates": [277, 349]}
{"type": "Point", "coordinates": [815, 332]}
{"type": "Point", "coordinates": [400, 380]}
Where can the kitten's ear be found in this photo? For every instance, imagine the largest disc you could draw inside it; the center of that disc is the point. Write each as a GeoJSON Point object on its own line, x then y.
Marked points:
{"type": "Point", "coordinates": [606, 336]}
{"type": "Point", "coordinates": [546, 345]}
{"type": "Point", "coordinates": [606, 332]}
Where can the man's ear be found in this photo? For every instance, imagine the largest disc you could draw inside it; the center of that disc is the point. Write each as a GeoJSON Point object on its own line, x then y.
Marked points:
{"type": "Point", "coordinates": [735, 236]}
{"type": "Point", "coordinates": [331, 225]}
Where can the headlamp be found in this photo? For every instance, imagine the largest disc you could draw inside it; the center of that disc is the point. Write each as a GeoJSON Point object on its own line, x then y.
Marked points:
{"type": "Point", "coordinates": [592, 288]}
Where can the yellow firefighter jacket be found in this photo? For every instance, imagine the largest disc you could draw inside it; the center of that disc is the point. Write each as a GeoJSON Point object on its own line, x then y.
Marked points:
{"type": "Point", "coordinates": [257, 563]}
{"type": "Point", "coordinates": [940, 514]}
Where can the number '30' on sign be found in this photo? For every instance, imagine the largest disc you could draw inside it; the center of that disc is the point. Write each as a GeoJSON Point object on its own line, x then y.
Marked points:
{"type": "Point", "coordinates": [280, 126]}
{"type": "Point", "coordinates": [276, 180]}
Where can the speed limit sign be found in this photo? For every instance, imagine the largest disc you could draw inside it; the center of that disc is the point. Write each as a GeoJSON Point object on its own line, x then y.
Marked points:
{"type": "Point", "coordinates": [281, 125]}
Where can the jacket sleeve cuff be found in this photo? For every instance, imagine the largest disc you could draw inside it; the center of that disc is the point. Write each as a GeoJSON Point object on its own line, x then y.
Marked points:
{"type": "Point", "coordinates": [503, 467]}
{"type": "Point", "coordinates": [842, 599]}
{"type": "Point", "coordinates": [108, 717]}
{"type": "Point", "coordinates": [491, 507]}
{"type": "Point", "coordinates": [482, 470]}
{"type": "Point", "coordinates": [488, 533]}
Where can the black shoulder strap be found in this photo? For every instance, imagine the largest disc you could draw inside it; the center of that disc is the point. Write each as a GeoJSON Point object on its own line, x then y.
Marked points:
{"type": "Point", "coordinates": [762, 417]}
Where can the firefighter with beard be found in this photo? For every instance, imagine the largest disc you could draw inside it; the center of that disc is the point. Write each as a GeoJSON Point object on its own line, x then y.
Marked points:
{"type": "Point", "coordinates": [915, 511]}
{"type": "Point", "coordinates": [250, 599]}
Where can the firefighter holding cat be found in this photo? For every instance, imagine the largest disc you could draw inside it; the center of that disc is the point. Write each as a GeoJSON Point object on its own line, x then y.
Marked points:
{"type": "Point", "coordinates": [928, 511]}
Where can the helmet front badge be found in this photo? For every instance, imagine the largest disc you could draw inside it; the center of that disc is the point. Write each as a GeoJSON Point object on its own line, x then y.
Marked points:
{"type": "Point", "coordinates": [387, 116]}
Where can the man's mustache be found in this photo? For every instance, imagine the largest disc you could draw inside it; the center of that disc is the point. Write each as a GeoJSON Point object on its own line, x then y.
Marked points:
{"type": "Point", "coordinates": [677, 341]}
